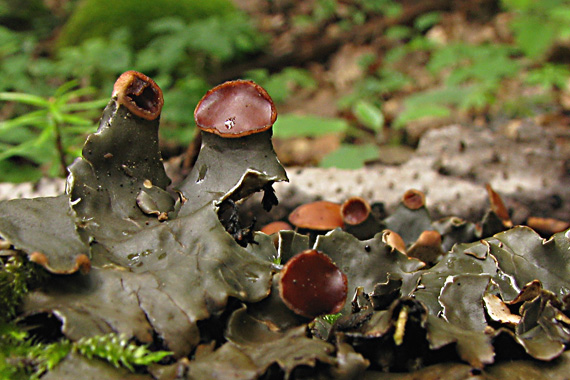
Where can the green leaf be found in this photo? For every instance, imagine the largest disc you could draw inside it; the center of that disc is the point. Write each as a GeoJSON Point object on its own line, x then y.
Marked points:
{"type": "Point", "coordinates": [533, 35]}
{"type": "Point", "coordinates": [350, 156]}
{"type": "Point", "coordinates": [478, 98]}
{"type": "Point", "coordinates": [10, 172]}
{"type": "Point", "coordinates": [35, 118]}
{"type": "Point", "coordinates": [368, 115]}
{"type": "Point", "coordinates": [167, 25]}
{"type": "Point", "coordinates": [419, 111]}
{"type": "Point", "coordinates": [398, 32]}
{"type": "Point", "coordinates": [32, 149]}
{"type": "Point", "coordinates": [64, 88]}
{"type": "Point", "coordinates": [518, 5]}
{"type": "Point", "coordinates": [420, 43]}
{"type": "Point", "coordinates": [53, 354]}
{"type": "Point", "coordinates": [549, 75]}
{"type": "Point", "coordinates": [393, 9]}
{"type": "Point", "coordinates": [33, 100]}
{"type": "Point", "coordinates": [290, 125]}
{"type": "Point", "coordinates": [427, 20]}
{"type": "Point", "coordinates": [16, 277]}
{"type": "Point", "coordinates": [395, 54]}
{"type": "Point", "coordinates": [482, 63]}
{"type": "Point", "coordinates": [66, 97]}
{"type": "Point", "coordinates": [76, 120]}
{"type": "Point", "coordinates": [85, 106]}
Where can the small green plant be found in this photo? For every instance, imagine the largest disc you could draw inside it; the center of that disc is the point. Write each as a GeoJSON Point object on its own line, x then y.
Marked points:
{"type": "Point", "coordinates": [20, 69]}
{"type": "Point", "coordinates": [49, 135]}
{"type": "Point", "coordinates": [118, 350]}
{"type": "Point", "coordinates": [179, 48]}
{"type": "Point", "coordinates": [549, 76]}
{"type": "Point", "coordinates": [538, 25]}
{"type": "Point", "coordinates": [96, 60]}
{"type": "Point", "coordinates": [17, 275]}
{"type": "Point", "coordinates": [17, 353]}
{"type": "Point", "coordinates": [331, 318]}
{"type": "Point", "coordinates": [484, 64]}
{"type": "Point", "coordinates": [23, 358]}
{"type": "Point", "coordinates": [474, 75]}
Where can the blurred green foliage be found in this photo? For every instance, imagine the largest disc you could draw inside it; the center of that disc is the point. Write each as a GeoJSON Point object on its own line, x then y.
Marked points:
{"type": "Point", "coordinates": [291, 125]}
{"type": "Point", "coordinates": [182, 43]}
{"type": "Point", "coordinates": [49, 135]}
{"type": "Point", "coordinates": [537, 25]}
{"type": "Point", "coordinates": [196, 40]}
{"type": "Point", "coordinates": [349, 156]}
{"type": "Point", "coordinates": [351, 13]}
{"type": "Point", "coordinates": [469, 77]}
{"type": "Point", "coordinates": [101, 18]}
{"type": "Point", "coordinates": [282, 84]}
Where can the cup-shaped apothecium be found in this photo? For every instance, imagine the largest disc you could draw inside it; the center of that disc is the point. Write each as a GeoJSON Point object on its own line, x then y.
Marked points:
{"type": "Point", "coordinates": [358, 218]}
{"type": "Point", "coordinates": [312, 285]}
{"type": "Point", "coordinates": [235, 109]}
{"type": "Point", "coordinates": [236, 158]}
{"type": "Point", "coordinates": [317, 216]}
{"type": "Point", "coordinates": [139, 93]}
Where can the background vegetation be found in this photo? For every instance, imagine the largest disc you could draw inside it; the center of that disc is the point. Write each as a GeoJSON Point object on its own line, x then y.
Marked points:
{"type": "Point", "coordinates": [58, 62]}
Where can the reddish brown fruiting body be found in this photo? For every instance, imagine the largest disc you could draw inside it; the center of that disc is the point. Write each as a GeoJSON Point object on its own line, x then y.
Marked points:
{"type": "Point", "coordinates": [394, 240]}
{"type": "Point", "coordinates": [498, 206]}
{"type": "Point", "coordinates": [547, 226]}
{"type": "Point", "coordinates": [427, 248]}
{"type": "Point", "coordinates": [319, 216]}
{"type": "Point", "coordinates": [414, 199]}
{"type": "Point", "coordinates": [39, 258]}
{"type": "Point", "coordinates": [274, 227]}
{"type": "Point", "coordinates": [82, 263]}
{"type": "Point", "coordinates": [312, 285]}
{"type": "Point", "coordinates": [429, 238]}
{"type": "Point", "coordinates": [140, 94]}
{"type": "Point", "coordinates": [355, 210]}
{"type": "Point", "coordinates": [234, 109]}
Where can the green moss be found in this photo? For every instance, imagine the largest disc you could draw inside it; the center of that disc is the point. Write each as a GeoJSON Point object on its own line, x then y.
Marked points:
{"type": "Point", "coordinates": [17, 275]}
{"type": "Point", "coordinates": [22, 357]}
{"type": "Point", "coordinates": [100, 18]}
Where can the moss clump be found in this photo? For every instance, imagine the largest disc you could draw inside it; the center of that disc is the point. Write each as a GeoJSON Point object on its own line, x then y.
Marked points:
{"type": "Point", "coordinates": [100, 18]}
{"type": "Point", "coordinates": [17, 275]}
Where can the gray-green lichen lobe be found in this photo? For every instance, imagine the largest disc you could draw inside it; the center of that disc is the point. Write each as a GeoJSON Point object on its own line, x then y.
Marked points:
{"type": "Point", "coordinates": [232, 168]}
{"type": "Point", "coordinates": [118, 161]}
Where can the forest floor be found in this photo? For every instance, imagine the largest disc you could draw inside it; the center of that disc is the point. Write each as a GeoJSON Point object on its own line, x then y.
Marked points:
{"type": "Point", "coordinates": [524, 155]}
{"type": "Point", "coordinates": [334, 55]}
